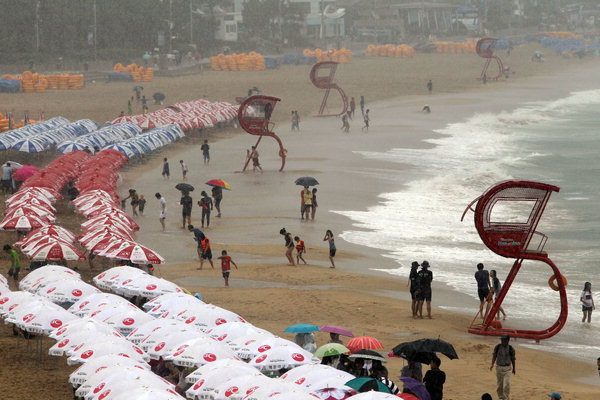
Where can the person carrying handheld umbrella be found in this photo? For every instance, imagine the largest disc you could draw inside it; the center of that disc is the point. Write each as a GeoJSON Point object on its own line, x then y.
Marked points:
{"type": "Point", "coordinates": [217, 192]}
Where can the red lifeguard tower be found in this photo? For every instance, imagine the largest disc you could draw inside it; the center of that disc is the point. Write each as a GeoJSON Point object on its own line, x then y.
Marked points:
{"type": "Point", "coordinates": [485, 49]}
{"type": "Point", "coordinates": [254, 116]}
{"type": "Point", "coordinates": [506, 217]}
{"type": "Point", "coordinates": [321, 75]}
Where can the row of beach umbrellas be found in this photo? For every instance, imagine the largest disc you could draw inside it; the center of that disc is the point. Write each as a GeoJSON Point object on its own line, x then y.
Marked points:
{"type": "Point", "coordinates": [149, 141]}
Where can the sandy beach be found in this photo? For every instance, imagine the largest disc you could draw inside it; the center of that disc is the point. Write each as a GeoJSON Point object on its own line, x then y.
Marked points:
{"type": "Point", "coordinates": [266, 291]}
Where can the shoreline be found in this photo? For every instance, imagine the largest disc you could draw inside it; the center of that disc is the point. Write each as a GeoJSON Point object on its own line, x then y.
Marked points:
{"type": "Point", "coordinates": [461, 105]}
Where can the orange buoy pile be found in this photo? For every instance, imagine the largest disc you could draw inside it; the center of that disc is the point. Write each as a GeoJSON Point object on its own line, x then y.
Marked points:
{"type": "Point", "coordinates": [34, 82]}
{"type": "Point", "coordinates": [137, 72]}
{"type": "Point", "coordinates": [238, 62]}
{"type": "Point", "coordinates": [16, 124]}
{"type": "Point", "coordinates": [456, 47]}
{"type": "Point", "coordinates": [343, 55]}
{"type": "Point", "coordinates": [389, 50]}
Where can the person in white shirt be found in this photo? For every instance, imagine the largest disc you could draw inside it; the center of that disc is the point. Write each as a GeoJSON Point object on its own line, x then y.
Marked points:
{"type": "Point", "coordinates": [163, 210]}
{"type": "Point", "coordinates": [587, 302]}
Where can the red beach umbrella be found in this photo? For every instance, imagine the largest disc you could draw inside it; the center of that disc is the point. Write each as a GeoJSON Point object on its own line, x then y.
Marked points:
{"type": "Point", "coordinates": [22, 223]}
{"type": "Point", "coordinates": [138, 254]}
{"type": "Point", "coordinates": [57, 251]}
{"type": "Point", "coordinates": [22, 174]}
{"type": "Point", "coordinates": [364, 343]}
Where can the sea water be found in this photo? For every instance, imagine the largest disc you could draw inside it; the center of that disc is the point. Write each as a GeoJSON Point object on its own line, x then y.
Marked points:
{"type": "Point", "coordinates": [555, 142]}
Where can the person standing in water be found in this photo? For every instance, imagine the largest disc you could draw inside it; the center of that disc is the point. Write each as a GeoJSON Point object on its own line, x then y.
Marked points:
{"type": "Point", "coordinates": [496, 286]}
{"type": "Point", "coordinates": [413, 286]}
{"type": "Point", "coordinates": [166, 173]}
{"type": "Point", "coordinates": [332, 249]}
{"type": "Point", "coordinates": [587, 301]}
{"type": "Point", "coordinates": [367, 120]}
{"type": "Point", "coordinates": [362, 105]}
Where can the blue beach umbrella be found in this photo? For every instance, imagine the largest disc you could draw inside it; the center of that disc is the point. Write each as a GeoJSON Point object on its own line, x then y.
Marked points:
{"type": "Point", "coordinates": [301, 328]}
{"type": "Point", "coordinates": [30, 145]}
{"type": "Point", "coordinates": [69, 146]}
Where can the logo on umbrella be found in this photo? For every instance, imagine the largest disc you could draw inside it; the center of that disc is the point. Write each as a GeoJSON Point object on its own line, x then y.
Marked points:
{"type": "Point", "coordinates": [151, 286]}
{"type": "Point", "coordinates": [220, 321]}
{"type": "Point", "coordinates": [159, 346]}
{"type": "Point", "coordinates": [251, 390]}
{"type": "Point", "coordinates": [104, 394]}
{"type": "Point", "coordinates": [190, 320]}
{"type": "Point", "coordinates": [99, 388]}
{"type": "Point", "coordinates": [83, 304]}
{"type": "Point", "coordinates": [126, 281]}
{"type": "Point", "coordinates": [241, 319]}
{"type": "Point", "coordinates": [260, 359]}
{"type": "Point", "coordinates": [3, 300]}
{"type": "Point", "coordinates": [199, 384]}
{"type": "Point", "coordinates": [298, 357]}
{"type": "Point", "coordinates": [87, 354]}
{"type": "Point", "coordinates": [76, 292]}
{"type": "Point", "coordinates": [51, 290]}
{"type": "Point", "coordinates": [231, 390]}
{"type": "Point", "coordinates": [180, 350]}
{"type": "Point", "coordinates": [63, 343]}
{"type": "Point", "coordinates": [128, 321]}
{"type": "Point", "coordinates": [222, 337]}
{"type": "Point", "coordinates": [55, 323]}
{"type": "Point", "coordinates": [300, 381]}
{"type": "Point", "coordinates": [264, 348]}
{"type": "Point", "coordinates": [102, 275]}
{"type": "Point", "coordinates": [123, 355]}
{"type": "Point", "coordinates": [209, 357]}
{"type": "Point", "coordinates": [78, 347]}
{"type": "Point", "coordinates": [28, 318]}
{"type": "Point", "coordinates": [156, 308]}
{"type": "Point", "coordinates": [140, 351]}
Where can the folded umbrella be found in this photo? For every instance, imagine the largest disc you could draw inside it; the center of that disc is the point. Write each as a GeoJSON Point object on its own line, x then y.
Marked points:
{"type": "Point", "coordinates": [301, 328]}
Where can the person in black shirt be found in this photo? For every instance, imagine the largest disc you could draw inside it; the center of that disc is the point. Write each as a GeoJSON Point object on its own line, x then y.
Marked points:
{"type": "Point", "coordinates": [413, 286]}
{"type": "Point", "coordinates": [434, 380]}
{"type": "Point", "coordinates": [207, 205]}
{"type": "Point", "coordinates": [205, 151]}
{"type": "Point", "coordinates": [217, 194]}
{"type": "Point", "coordinates": [424, 278]}
{"type": "Point", "coordinates": [186, 203]}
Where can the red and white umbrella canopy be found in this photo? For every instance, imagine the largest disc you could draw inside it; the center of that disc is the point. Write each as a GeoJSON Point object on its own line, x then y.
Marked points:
{"type": "Point", "coordinates": [22, 223]}
{"type": "Point", "coordinates": [66, 290]}
{"type": "Point", "coordinates": [145, 330]}
{"type": "Point", "coordinates": [222, 370]}
{"type": "Point", "coordinates": [232, 330]}
{"type": "Point", "coordinates": [33, 201]}
{"type": "Point", "coordinates": [81, 325]}
{"type": "Point", "coordinates": [282, 357]}
{"type": "Point", "coordinates": [42, 318]}
{"type": "Point", "coordinates": [29, 210]}
{"type": "Point", "coordinates": [83, 353]}
{"type": "Point", "coordinates": [168, 343]}
{"type": "Point", "coordinates": [105, 280]}
{"type": "Point", "coordinates": [106, 236]}
{"type": "Point", "coordinates": [127, 320]}
{"type": "Point", "coordinates": [254, 348]}
{"type": "Point", "coordinates": [233, 388]}
{"type": "Point", "coordinates": [110, 244]}
{"type": "Point", "coordinates": [137, 254]}
{"type": "Point", "coordinates": [90, 303]}
{"type": "Point", "coordinates": [81, 374]}
{"type": "Point", "coordinates": [28, 195]}
{"type": "Point", "coordinates": [36, 243]}
{"type": "Point", "coordinates": [198, 352]}
{"type": "Point", "coordinates": [57, 251]}
{"type": "Point", "coordinates": [73, 340]}
{"type": "Point", "coordinates": [36, 191]}
{"type": "Point", "coordinates": [55, 230]}
{"type": "Point", "coordinates": [111, 220]}
{"type": "Point", "coordinates": [147, 286]}
{"type": "Point", "coordinates": [92, 203]}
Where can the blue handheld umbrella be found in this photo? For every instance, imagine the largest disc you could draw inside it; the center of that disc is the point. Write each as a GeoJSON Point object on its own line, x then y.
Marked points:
{"type": "Point", "coordinates": [301, 328]}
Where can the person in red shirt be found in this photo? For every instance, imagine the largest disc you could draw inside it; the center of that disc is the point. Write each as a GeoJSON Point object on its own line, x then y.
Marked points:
{"type": "Point", "coordinates": [301, 249]}
{"type": "Point", "coordinates": [226, 262]}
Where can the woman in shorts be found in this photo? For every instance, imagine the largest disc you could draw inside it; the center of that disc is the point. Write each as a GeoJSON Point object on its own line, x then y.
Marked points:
{"type": "Point", "coordinates": [587, 302]}
{"type": "Point", "coordinates": [329, 238]}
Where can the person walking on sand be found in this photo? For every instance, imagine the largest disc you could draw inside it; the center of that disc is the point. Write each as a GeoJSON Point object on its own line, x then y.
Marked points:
{"type": "Point", "coordinates": [166, 173]}
{"type": "Point", "coordinates": [206, 205]}
{"type": "Point", "coordinates": [362, 105]}
{"type": "Point", "coordinates": [206, 253]}
{"type": "Point", "coordinates": [184, 170]}
{"type": "Point", "coordinates": [198, 236]}
{"type": "Point", "coordinates": [135, 201]}
{"type": "Point", "coordinates": [306, 203]}
{"type": "Point", "coordinates": [587, 301]}
{"type": "Point", "coordinates": [217, 194]}
{"type": "Point", "coordinates": [162, 209]}
{"type": "Point", "coordinates": [226, 262]}
{"type": "Point", "coordinates": [255, 162]}
{"type": "Point", "coordinates": [186, 203]}
{"type": "Point", "coordinates": [503, 357]}
{"type": "Point", "coordinates": [413, 287]}
{"type": "Point", "coordinates": [15, 262]}
{"type": "Point", "coordinates": [141, 204]}
{"type": "Point", "coordinates": [332, 249]}
{"type": "Point", "coordinates": [289, 246]}
{"type": "Point", "coordinates": [352, 106]}
{"type": "Point", "coordinates": [424, 278]}
{"type": "Point", "coordinates": [205, 151]}
{"type": "Point", "coordinates": [434, 379]}
{"type": "Point", "coordinates": [497, 286]}
{"type": "Point", "coordinates": [482, 277]}
{"type": "Point", "coordinates": [313, 209]}
{"type": "Point", "coordinates": [429, 86]}
{"type": "Point", "coordinates": [300, 250]}
{"type": "Point", "coordinates": [367, 120]}
{"type": "Point", "coordinates": [345, 124]}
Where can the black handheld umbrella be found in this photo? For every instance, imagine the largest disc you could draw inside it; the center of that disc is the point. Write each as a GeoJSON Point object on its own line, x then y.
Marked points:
{"type": "Point", "coordinates": [369, 354]}
{"type": "Point", "coordinates": [306, 181]}
{"type": "Point", "coordinates": [159, 97]}
{"type": "Point", "coordinates": [423, 350]}
{"type": "Point", "coordinates": [184, 187]}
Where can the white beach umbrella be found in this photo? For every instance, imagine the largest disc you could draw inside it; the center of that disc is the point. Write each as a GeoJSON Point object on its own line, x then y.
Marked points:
{"type": "Point", "coordinates": [232, 330]}
{"type": "Point", "coordinates": [11, 300]}
{"type": "Point", "coordinates": [102, 312]}
{"type": "Point", "coordinates": [238, 387]}
{"type": "Point", "coordinates": [254, 348]}
{"type": "Point", "coordinates": [198, 352]}
{"type": "Point", "coordinates": [127, 320]}
{"type": "Point", "coordinates": [32, 282]}
{"type": "Point", "coordinates": [110, 277]}
{"type": "Point", "coordinates": [113, 376]}
{"type": "Point", "coordinates": [42, 318]}
{"type": "Point", "coordinates": [208, 316]}
{"type": "Point", "coordinates": [92, 367]}
{"type": "Point", "coordinates": [283, 357]}
{"type": "Point", "coordinates": [169, 342]}
{"type": "Point", "coordinates": [223, 369]}
{"type": "Point", "coordinates": [81, 325]}
{"type": "Point", "coordinates": [294, 396]}
{"type": "Point", "coordinates": [144, 330]}
{"type": "Point", "coordinates": [81, 354]}
{"type": "Point", "coordinates": [144, 393]}
{"type": "Point", "coordinates": [311, 376]}
{"type": "Point", "coordinates": [45, 272]}
{"type": "Point", "coordinates": [92, 302]}
{"type": "Point", "coordinates": [162, 335]}
{"type": "Point", "coordinates": [373, 396]}
{"type": "Point", "coordinates": [300, 371]}
{"type": "Point", "coordinates": [73, 340]}
{"type": "Point", "coordinates": [170, 302]}
{"type": "Point", "coordinates": [147, 286]}
{"type": "Point", "coordinates": [272, 388]}
{"type": "Point", "coordinates": [66, 290]}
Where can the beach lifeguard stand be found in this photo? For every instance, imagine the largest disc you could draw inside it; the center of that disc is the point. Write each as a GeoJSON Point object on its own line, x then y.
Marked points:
{"type": "Point", "coordinates": [485, 49]}
{"type": "Point", "coordinates": [254, 116]}
{"type": "Point", "coordinates": [321, 75]}
{"type": "Point", "coordinates": [506, 218]}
